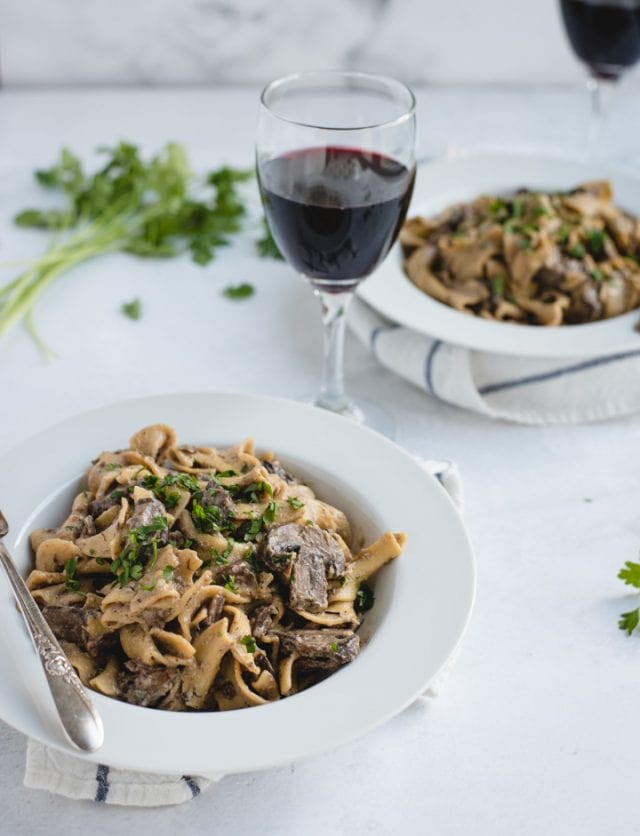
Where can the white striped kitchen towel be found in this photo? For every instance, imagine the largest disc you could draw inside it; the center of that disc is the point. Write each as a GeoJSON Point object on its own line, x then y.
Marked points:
{"type": "Point", "coordinates": [57, 772]}
{"type": "Point", "coordinates": [525, 390]}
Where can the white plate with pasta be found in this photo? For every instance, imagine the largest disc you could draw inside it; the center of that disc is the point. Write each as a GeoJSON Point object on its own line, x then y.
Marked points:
{"type": "Point", "coordinates": [444, 184]}
{"type": "Point", "coordinates": [210, 590]}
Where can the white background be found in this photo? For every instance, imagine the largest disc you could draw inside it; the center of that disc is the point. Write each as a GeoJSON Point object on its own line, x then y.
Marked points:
{"type": "Point", "coordinates": [203, 41]}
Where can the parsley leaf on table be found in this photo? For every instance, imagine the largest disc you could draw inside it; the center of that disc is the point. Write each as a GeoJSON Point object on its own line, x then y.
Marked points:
{"type": "Point", "coordinates": [630, 574]}
{"type": "Point", "coordinates": [132, 309]}
{"type": "Point", "coordinates": [629, 620]}
{"type": "Point", "coordinates": [239, 291]}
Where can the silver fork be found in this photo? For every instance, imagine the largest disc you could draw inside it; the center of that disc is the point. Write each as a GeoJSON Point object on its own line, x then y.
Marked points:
{"type": "Point", "coordinates": [79, 718]}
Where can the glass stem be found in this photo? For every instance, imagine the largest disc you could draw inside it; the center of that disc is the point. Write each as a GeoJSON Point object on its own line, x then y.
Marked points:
{"type": "Point", "coordinates": [600, 96]}
{"type": "Point", "coordinates": [334, 319]}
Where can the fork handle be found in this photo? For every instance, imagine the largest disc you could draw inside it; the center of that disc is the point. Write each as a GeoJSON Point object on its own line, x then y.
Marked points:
{"type": "Point", "coordinates": [80, 720]}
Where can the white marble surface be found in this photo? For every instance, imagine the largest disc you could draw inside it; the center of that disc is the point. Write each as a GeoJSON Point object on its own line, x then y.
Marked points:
{"type": "Point", "coordinates": [535, 730]}
{"type": "Point", "coordinates": [137, 41]}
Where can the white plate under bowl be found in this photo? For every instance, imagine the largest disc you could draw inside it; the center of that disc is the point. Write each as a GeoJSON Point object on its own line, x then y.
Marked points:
{"type": "Point", "coordinates": [444, 182]}
{"type": "Point", "coordinates": [423, 600]}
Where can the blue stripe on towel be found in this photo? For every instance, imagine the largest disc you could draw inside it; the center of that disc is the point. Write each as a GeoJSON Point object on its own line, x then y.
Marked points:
{"type": "Point", "coordinates": [195, 789]}
{"type": "Point", "coordinates": [379, 330]}
{"type": "Point", "coordinates": [428, 371]}
{"type": "Point", "coordinates": [102, 780]}
{"type": "Point", "coordinates": [544, 376]}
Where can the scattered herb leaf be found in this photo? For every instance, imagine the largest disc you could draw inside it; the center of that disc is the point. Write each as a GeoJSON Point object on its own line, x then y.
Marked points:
{"type": "Point", "coordinates": [629, 621]}
{"type": "Point", "coordinates": [239, 291]}
{"type": "Point", "coordinates": [132, 309]}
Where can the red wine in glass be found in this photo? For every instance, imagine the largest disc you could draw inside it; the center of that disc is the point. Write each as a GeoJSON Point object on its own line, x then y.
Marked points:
{"type": "Point", "coordinates": [605, 35]}
{"type": "Point", "coordinates": [335, 212]}
{"type": "Point", "coordinates": [336, 162]}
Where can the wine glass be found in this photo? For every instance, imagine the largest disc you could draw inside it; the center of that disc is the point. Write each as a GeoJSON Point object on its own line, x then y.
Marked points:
{"type": "Point", "coordinates": [605, 35]}
{"type": "Point", "coordinates": [335, 162]}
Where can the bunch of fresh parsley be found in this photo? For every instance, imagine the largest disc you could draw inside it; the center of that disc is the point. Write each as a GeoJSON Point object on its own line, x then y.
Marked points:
{"type": "Point", "coordinates": [153, 208]}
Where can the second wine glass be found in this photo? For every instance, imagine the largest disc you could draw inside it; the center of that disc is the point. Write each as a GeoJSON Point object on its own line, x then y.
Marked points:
{"type": "Point", "coordinates": [335, 160]}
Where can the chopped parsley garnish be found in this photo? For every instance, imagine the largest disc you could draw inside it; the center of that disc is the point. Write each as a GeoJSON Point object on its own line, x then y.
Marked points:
{"type": "Point", "coordinates": [112, 466]}
{"type": "Point", "coordinates": [70, 580]}
{"type": "Point", "coordinates": [365, 598]}
{"type": "Point", "coordinates": [167, 573]}
{"type": "Point", "coordinates": [183, 480]}
{"type": "Point", "coordinates": [597, 275]}
{"type": "Point", "coordinates": [239, 291]}
{"type": "Point", "coordinates": [334, 646]}
{"type": "Point", "coordinates": [270, 513]}
{"type": "Point", "coordinates": [250, 643]}
{"type": "Point", "coordinates": [595, 240]}
{"type": "Point", "coordinates": [250, 493]}
{"type": "Point", "coordinates": [497, 286]}
{"type": "Point", "coordinates": [496, 206]}
{"type": "Point", "coordinates": [517, 207]}
{"type": "Point", "coordinates": [170, 499]}
{"type": "Point", "coordinates": [224, 474]}
{"type": "Point", "coordinates": [132, 309]}
{"type": "Point", "coordinates": [222, 557]}
{"type": "Point", "coordinates": [563, 233]}
{"type": "Point", "coordinates": [230, 583]}
{"type": "Point", "coordinates": [540, 210]}
{"type": "Point", "coordinates": [251, 529]}
{"type": "Point", "coordinates": [295, 503]}
{"type": "Point", "coordinates": [128, 565]}
{"type": "Point", "coordinates": [150, 587]}
{"type": "Point", "coordinates": [524, 243]}
{"type": "Point", "coordinates": [206, 518]}
{"type": "Point", "coordinates": [577, 251]}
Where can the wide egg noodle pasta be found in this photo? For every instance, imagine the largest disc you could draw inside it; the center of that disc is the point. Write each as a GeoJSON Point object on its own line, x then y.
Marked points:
{"type": "Point", "coordinates": [536, 258]}
{"type": "Point", "coordinates": [190, 578]}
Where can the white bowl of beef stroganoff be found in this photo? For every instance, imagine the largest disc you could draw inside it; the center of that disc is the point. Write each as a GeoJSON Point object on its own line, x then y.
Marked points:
{"type": "Point", "coordinates": [465, 179]}
{"type": "Point", "coordinates": [429, 589]}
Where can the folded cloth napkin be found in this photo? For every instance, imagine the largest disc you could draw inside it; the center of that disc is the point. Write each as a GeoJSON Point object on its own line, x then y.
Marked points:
{"type": "Point", "coordinates": [49, 769]}
{"type": "Point", "coordinates": [521, 389]}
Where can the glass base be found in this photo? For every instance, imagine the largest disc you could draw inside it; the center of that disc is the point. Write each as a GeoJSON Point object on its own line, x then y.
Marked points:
{"type": "Point", "coordinates": [361, 412]}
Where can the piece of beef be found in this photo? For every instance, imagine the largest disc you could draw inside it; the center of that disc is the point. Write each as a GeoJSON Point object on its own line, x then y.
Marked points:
{"type": "Point", "coordinates": [239, 572]}
{"type": "Point", "coordinates": [324, 650]}
{"type": "Point", "coordinates": [307, 557]}
{"type": "Point", "coordinates": [145, 512]}
{"type": "Point", "coordinates": [262, 620]}
{"type": "Point", "coordinates": [99, 506]}
{"type": "Point", "coordinates": [70, 624]}
{"type": "Point", "coordinates": [216, 495]}
{"type": "Point", "coordinates": [145, 685]}
{"type": "Point", "coordinates": [274, 466]}
{"type": "Point", "coordinates": [216, 605]}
